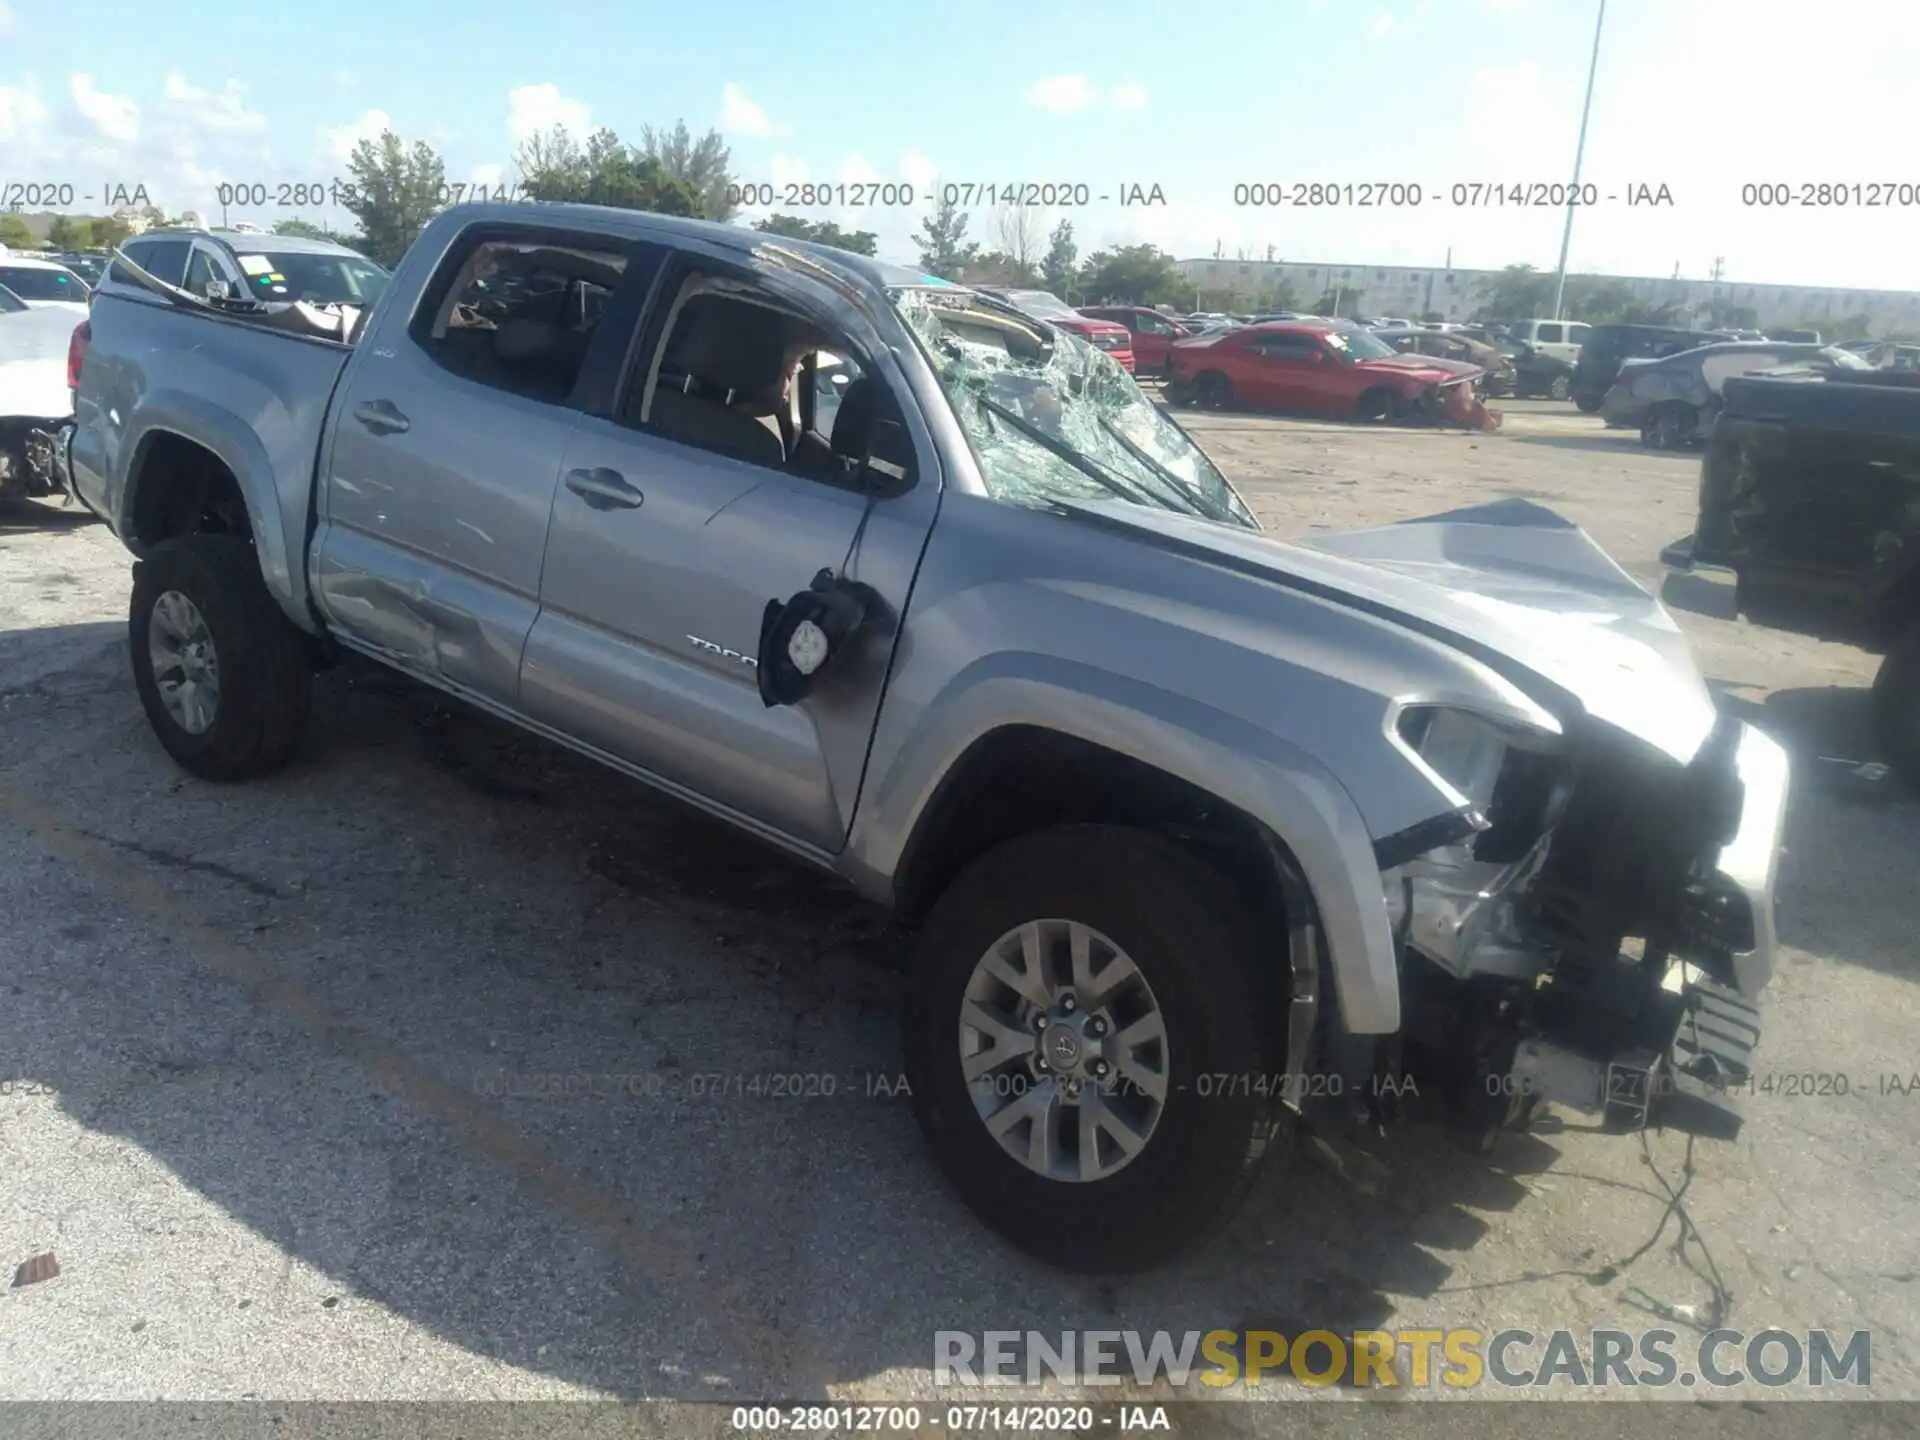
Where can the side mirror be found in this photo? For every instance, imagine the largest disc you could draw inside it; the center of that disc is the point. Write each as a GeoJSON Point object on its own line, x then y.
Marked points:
{"type": "Point", "coordinates": [216, 290]}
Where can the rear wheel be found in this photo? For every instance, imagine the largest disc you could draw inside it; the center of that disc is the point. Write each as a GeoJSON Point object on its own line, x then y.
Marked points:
{"type": "Point", "coordinates": [1896, 708]}
{"type": "Point", "coordinates": [1587, 404]}
{"type": "Point", "coordinates": [1213, 391]}
{"type": "Point", "coordinates": [222, 673]}
{"type": "Point", "coordinates": [1085, 1039]}
{"type": "Point", "coordinates": [1668, 426]}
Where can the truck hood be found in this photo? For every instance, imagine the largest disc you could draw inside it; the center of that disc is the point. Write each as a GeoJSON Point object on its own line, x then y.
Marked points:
{"type": "Point", "coordinates": [1512, 582]}
{"type": "Point", "coordinates": [1425, 367]}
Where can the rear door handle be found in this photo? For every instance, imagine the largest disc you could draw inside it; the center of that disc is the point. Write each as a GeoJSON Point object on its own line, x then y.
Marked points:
{"type": "Point", "coordinates": [382, 417]}
{"type": "Point", "coordinates": [604, 489]}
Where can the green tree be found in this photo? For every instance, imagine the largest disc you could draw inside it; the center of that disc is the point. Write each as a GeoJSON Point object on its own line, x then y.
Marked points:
{"type": "Point", "coordinates": [1131, 275]}
{"type": "Point", "coordinates": [820, 232]}
{"type": "Point", "coordinates": [307, 230]}
{"type": "Point", "coordinates": [1280, 295]}
{"type": "Point", "coordinates": [606, 171]}
{"type": "Point", "coordinates": [997, 267]}
{"type": "Point", "coordinates": [15, 235]}
{"type": "Point", "coordinates": [1519, 292]}
{"type": "Point", "coordinates": [703, 165]}
{"type": "Point", "coordinates": [942, 241]}
{"type": "Point", "coordinates": [68, 232]}
{"type": "Point", "coordinates": [396, 190]}
{"type": "Point", "coordinates": [1059, 266]}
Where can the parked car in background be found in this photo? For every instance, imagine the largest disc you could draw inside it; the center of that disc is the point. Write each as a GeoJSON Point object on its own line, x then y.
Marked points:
{"type": "Point", "coordinates": [243, 265]}
{"type": "Point", "coordinates": [42, 282]}
{"type": "Point", "coordinates": [1537, 374]}
{"type": "Point", "coordinates": [1152, 334]}
{"type": "Point", "coordinates": [1809, 521]}
{"type": "Point", "coordinates": [36, 396]}
{"type": "Point", "coordinates": [1320, 370]}
{"type": "Point", "coordinates": [1607, 347]}
{"type": "Point", "coordinates": [1674, 402]}
{"type": "Point", "coordinates": [1798, 337]}
{"type": "Point", "coordinates": [1105, 335]}
{"type": "Point", "coordinates": [88, 265]}
{"type": "Point", "coordinates": [1886, 354]}
{"type": "Point", "coordinates": [1454, 345]}
{"type": "Point", "coordinates": [1561, 339]}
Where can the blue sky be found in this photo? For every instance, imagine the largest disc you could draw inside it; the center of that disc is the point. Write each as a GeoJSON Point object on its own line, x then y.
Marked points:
{"type": "Point", "coordinates": [1699, 95]}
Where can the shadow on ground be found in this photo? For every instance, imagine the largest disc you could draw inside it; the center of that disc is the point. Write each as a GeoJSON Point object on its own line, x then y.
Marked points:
{"type": "Point", "coordinates": [428, 893]}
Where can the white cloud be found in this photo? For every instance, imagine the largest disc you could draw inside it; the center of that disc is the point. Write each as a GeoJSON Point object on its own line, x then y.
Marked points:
{"type": "Point", "coordinates": [116, 117]}
{"type": "Point", "coordinates": [919, 171]}
{"type": "Point", "coordinates": [225, 109]}
{"type": "Point", "coordinates": [1062, 94]}
{"type": "Point", "coordinates": [1130, 96]}
{"type": "Point", "coordinates": [741, 114]}
{"type": "Point", "coordinates": [535, 109]}
{"type": "Point", "coordinates": [339, 142]}
{"type": "Point", "coordinates": [1397, 24]}
{"type": "Point", "coordinates": [6, 18]}
{"type": "Point", "coordinates": [22, 111]}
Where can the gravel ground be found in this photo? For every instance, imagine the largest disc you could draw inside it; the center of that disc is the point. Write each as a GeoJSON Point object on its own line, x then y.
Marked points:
{"type": "Point", "coordinates": [270, 1054]}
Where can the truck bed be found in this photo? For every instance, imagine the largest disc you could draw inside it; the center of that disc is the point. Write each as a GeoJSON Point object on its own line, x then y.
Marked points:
{"type": "Point", "coordinates": [256, 394]}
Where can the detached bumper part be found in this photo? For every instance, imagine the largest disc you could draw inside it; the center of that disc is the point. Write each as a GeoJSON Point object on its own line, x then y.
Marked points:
{"type": "Point", "coordinates": [1686, 1083]}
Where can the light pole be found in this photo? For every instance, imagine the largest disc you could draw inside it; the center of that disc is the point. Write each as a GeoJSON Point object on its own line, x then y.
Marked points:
{"type": "Point", "coordinates": [1579, 149]}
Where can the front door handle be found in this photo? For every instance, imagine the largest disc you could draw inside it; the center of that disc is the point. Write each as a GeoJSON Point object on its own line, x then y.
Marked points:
{"type": "Point", "coordinates": [382, 417]}
{"type": "Point", "coordinates": [604, 489]}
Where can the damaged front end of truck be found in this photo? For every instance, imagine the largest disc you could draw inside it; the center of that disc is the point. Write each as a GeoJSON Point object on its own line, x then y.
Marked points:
{"type": "Point", "coordinates": [1591, 924]}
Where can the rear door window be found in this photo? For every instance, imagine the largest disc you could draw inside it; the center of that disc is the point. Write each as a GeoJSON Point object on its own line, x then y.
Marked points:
{"type": "Point", "coordinates": [520, 314]}
{"type": "Point", "coordinates": [1550, 334]}
{"type": "Point", "coordinates": [167, 261]}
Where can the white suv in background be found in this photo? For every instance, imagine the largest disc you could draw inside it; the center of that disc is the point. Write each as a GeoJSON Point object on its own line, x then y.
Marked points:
{"type": "Point", "coordinates": [1561, 339]}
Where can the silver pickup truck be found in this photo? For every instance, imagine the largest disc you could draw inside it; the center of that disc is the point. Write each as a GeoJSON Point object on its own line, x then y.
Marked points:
{"type": "Point", "coordinates": [1213, 840]}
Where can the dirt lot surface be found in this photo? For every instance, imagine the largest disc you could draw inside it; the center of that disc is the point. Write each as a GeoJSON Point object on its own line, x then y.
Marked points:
{"type": "Point", "coordinates": [272, 1055]}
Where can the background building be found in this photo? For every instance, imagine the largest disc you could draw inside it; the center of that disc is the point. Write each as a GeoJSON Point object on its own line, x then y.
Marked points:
{"type": "Point", "coordinates": [1459, 294]}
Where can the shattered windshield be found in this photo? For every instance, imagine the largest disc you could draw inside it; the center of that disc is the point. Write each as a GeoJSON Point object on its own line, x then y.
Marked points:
{"type": "Point", "coordinates": [1052, 418]}
{"type": "Point", "coordinates": [1044, 304]}
{"type": "Point", "coordinates": [1359, 345]}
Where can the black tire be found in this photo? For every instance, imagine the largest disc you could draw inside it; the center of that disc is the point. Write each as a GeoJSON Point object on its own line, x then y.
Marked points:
{"type": "Point", "coordinates": [1587, 404]}
{"type": "Point", "coordinates": [265, 676]}
{"type": "Point", "coordinates": [1213, 391]}
{"type": "Point", "coordinates": [1377, 406]}
{"type": "Point", "coordinates": [1669, 425]}
{"type": "Point", "coordinates": [1194, 939]}
{"type": "Point", "coordinates": [1896, 709]}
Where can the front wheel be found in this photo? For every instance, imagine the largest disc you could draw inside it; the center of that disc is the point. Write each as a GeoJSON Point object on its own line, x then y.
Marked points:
{"type": "Point", "coordinates": [1896, 708]}
{"type": "Point", "coordinates": [1376, 407]}
{"type": "Point", "coordinates": [222, 673]}
{"type": "Point", "coordinates": [1213, 391]}
{"type": "Point", "coordinates": [1587, 404]}
{"type": "Point", "coordinates": [1089, 1045]}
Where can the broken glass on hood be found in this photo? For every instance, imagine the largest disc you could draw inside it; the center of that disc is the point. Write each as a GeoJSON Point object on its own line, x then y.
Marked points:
{"type": "Point", "coordinates": [1051, 418]}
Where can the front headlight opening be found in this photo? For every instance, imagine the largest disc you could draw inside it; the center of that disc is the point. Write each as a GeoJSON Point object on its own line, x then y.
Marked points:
{"type": "Point", "coordinates": [1464, 750]}
{"type": "Point", "coordinates": [1513, 777]}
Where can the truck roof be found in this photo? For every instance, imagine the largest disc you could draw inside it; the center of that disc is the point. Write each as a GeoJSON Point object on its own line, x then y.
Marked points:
{"type": "Point", "coordinates": [646, 224]}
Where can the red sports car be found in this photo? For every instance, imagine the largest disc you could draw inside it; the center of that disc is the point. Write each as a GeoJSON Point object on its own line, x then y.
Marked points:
{"type": "Point", "coordinates": [1321, 370]}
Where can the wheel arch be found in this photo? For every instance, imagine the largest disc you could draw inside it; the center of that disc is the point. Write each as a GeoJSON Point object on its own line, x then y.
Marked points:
{"type": "Point", "coordinates": [1277, 817]}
